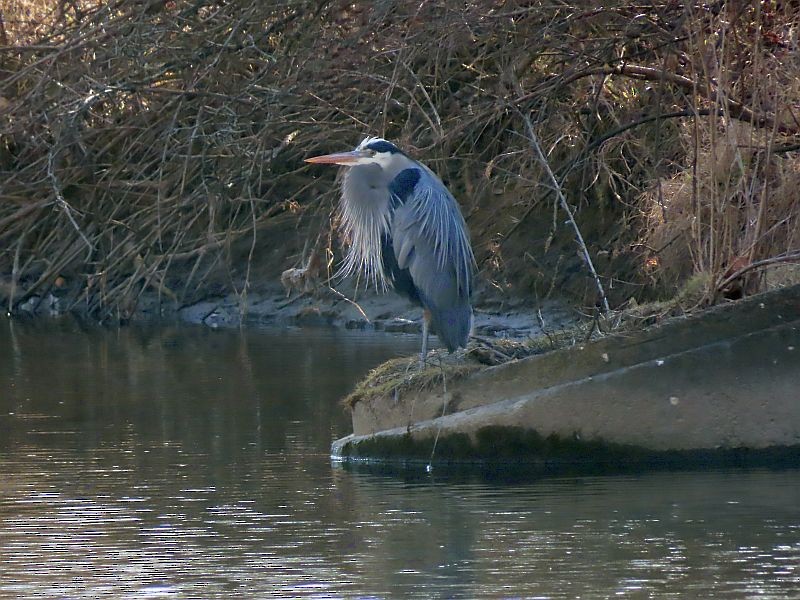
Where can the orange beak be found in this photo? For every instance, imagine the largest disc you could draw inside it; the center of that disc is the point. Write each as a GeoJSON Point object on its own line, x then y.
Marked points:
{"type": "Point", "coordinates": [340, 158]}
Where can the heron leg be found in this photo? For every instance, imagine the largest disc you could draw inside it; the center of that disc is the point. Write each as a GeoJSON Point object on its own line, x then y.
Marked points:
{"type": "Point", "coordinates": [423, 355]}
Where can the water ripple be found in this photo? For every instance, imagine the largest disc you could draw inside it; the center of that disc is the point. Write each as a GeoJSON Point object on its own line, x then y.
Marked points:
{"type": "Point", "coordinates": [158, 464]}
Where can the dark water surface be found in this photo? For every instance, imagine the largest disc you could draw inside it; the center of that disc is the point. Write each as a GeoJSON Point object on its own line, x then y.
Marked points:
{"type": "Point", "coordinates": [190, 463]}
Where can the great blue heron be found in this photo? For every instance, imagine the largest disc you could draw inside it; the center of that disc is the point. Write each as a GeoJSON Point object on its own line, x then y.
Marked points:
{"type": "Point", "coordinates": [406, 231]}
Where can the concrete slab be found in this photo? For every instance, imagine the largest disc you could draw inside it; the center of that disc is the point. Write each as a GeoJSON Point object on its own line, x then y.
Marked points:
{"type": "Point", "coordinates": [725, 380]}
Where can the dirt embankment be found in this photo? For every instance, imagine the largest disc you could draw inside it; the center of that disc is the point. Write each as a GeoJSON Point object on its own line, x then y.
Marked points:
{"type": "Point", "coordinates": [151, 152]}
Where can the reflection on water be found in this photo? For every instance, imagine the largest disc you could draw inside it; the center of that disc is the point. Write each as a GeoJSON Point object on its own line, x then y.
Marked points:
{"type": "Point", "coordinates": [188, 463]}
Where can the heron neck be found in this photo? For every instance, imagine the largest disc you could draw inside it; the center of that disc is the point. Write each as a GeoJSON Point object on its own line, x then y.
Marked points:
{"type": "Point", "coordinates": [366, 213]}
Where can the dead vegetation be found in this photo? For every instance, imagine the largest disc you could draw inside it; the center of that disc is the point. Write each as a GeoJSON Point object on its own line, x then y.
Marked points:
{"type": "Point", "coordinates": [734, 217]}
{"type": "Point", "coordinates": [403, 375]}
{"type": "Point", "coordinates": [152, 145]}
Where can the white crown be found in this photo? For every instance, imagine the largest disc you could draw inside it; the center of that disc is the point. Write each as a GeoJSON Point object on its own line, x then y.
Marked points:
{"type": "Point", "coordinates": [368, 140]}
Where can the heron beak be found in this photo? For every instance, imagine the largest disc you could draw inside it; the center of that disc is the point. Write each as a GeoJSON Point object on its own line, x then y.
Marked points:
{"type": "Point", "coordinates": [340, 158]}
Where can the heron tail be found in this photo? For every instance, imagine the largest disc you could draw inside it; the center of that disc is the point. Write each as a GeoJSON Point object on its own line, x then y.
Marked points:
{"type": "Point", "coordinates": [452, 325]}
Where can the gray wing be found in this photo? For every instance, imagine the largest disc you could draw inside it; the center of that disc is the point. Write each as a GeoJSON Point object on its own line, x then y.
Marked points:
{"type": "Point", "coordinates": [431, 240]}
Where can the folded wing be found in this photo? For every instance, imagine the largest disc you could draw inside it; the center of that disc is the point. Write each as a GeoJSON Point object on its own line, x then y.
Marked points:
{"type": "Point", "coordinates": [431, 251]}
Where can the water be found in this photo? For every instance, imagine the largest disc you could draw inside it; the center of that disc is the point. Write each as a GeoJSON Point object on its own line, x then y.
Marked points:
{"type": "Point", "coordinates": [190, 463]}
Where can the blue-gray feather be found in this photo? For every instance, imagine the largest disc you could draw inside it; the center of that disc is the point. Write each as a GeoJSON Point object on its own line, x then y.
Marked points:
{"type": "Point", "coordinates": [430, 241]}
{"type": "Point", "coordinates": [405, 230]}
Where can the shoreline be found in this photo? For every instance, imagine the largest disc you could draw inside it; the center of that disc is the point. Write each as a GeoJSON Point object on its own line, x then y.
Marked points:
{"type": "Point", "coordinates": [269, 305]}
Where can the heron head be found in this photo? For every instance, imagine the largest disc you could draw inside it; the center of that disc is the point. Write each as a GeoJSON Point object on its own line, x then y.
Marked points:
{"type": "Point", "coordinates": [371, 151]}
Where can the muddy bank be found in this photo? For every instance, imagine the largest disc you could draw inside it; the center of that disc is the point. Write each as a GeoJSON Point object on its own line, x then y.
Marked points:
{"type": "Point", "coordinates": [495, 317]}
{"type": "Point", "coordinates": [379, 312]}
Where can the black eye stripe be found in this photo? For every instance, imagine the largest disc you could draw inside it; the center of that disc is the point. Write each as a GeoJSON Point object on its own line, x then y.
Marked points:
{"type": "Point", "coordinates": [382, 146]}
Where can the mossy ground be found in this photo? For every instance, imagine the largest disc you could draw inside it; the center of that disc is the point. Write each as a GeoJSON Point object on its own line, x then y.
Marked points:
{"type": "Point", "coordinates": [399, 376]}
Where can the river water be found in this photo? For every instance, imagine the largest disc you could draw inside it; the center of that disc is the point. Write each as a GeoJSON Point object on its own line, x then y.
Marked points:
{"type": "Point", "coordinates": [191, 463]}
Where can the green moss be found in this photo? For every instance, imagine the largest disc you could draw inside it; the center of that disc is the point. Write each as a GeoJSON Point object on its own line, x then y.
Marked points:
{"type": "Point", "coordinates": [523, 448]}
{"type": "Point", "coordinates": [517, 443]}
{"type": "Point", "coordinates": [496, 443]}
{"type": "Point", "coordinates": [457, 446]}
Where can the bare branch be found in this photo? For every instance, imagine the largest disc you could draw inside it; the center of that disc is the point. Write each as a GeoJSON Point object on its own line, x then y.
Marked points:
{"type": "Point", "coordinates": [534, 143]}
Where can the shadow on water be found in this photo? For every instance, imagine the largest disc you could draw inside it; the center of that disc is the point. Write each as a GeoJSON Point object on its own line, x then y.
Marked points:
{"type": "Point", "coordinates": [185, 462]}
